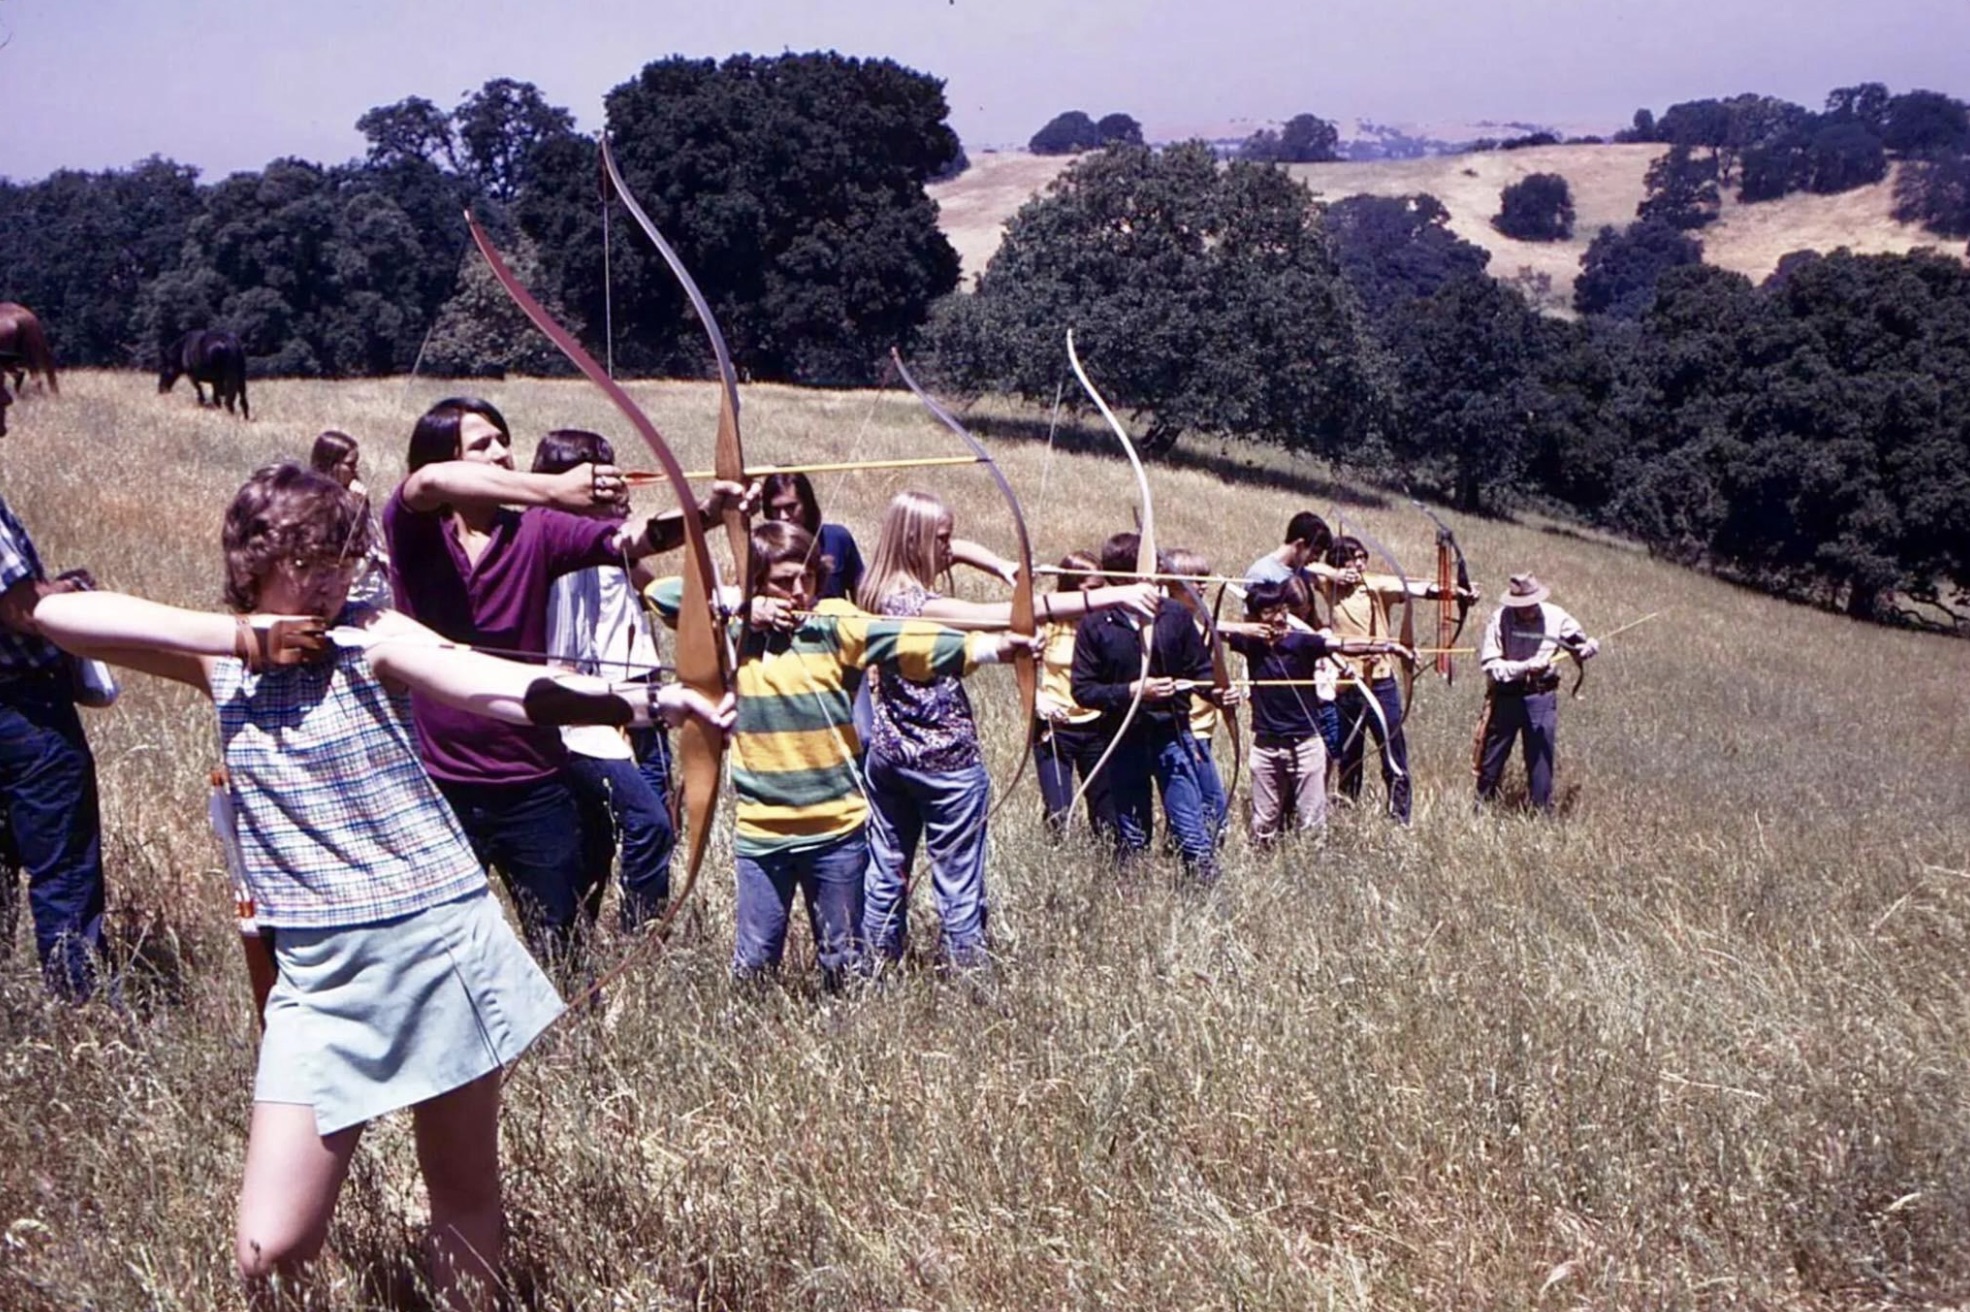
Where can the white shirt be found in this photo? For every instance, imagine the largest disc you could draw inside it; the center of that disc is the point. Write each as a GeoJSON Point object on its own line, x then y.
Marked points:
{"type": "Point", "coordinates": [595, 625]}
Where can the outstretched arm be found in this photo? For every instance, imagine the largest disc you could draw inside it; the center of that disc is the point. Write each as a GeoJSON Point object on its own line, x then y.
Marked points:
{"type": "Point", "coordinates": [472, 483]}
{"type": "Point", "coordinates": [665, 531]}
{"type": "Point", "coordinates": [410, 655]}
{"type": "Point", "coordinates": [169, 641]}
{"type": "Point", "coordinates": [1140, 598]}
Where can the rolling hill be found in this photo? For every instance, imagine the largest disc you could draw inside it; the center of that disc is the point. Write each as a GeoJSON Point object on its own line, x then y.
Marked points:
{"type": "Point", "coordinates": [1606, 181]}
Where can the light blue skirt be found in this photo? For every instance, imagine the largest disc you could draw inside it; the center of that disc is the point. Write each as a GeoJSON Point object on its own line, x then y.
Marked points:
{"type": "Point", "coordinates": [367, 1019]}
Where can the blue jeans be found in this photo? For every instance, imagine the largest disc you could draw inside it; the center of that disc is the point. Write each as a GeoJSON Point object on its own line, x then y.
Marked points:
{"type": "Point", "coordinates": [1362, 726]}
{"type": "Point", "coordinates": [1210, 784]}
{"type": "Point", "coordinates": [945, 810]}
{"type": "Point", "coordinates": [1161, 761]}
{"type": "Point", "coordinates": [1061, 752]}
{"type": "Point", "coordinates": [532, 834]}
{"type": "Point", "coordinates": [48, 784]}
{"type": "Point", "coordinates": [621, 805]}
{"type": "Point", "coordinates": [829, 877]}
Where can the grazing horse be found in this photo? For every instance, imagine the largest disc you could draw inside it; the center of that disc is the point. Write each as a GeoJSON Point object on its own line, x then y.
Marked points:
{"type": "Point", "coordinates": [207, 355]}
{"type": "Point", "coordinates": [21, 339]}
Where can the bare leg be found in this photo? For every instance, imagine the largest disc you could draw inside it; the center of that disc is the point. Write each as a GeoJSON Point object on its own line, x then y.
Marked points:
{"type": "Point", "coordinates": [458, 1151]}
{"type": "Point", "coordinates": [293, 1176]}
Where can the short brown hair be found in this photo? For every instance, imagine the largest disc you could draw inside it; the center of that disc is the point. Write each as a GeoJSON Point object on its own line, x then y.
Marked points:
{"type": "Point", "coordinates": [286, 512]}
{"type": "Point", "coordinates": [774, 542]}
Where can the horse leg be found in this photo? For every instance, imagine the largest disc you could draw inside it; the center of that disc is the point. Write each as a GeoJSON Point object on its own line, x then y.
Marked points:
{"type": "Point", "coordinates": [199, 388]}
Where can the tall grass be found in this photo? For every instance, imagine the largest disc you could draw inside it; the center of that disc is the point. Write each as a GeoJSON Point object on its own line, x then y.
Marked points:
{"type": "Point", "coordinates": [1701, 1041]}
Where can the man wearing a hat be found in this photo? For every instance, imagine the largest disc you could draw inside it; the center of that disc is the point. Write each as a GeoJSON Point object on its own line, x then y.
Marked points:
{"type": "Point", "coordinates": [1525, 635]}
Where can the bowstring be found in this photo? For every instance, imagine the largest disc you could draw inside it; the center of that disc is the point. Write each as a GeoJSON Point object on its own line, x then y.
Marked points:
{"type": "Point", "coordinates": [1053, 427]}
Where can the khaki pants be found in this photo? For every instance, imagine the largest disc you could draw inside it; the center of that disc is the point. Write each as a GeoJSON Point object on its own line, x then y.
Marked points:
{"type": "Point", "coordinates": [1288, 775]}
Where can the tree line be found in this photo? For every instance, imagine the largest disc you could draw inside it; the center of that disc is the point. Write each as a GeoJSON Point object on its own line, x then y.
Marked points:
{"type": "Point", "coordinates": [1809, 434]}
{"type": "Point", "coordinates": [793, 186]}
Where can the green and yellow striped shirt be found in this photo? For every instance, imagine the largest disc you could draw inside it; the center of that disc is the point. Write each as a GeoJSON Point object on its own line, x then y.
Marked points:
{"type": "Point", "coordinates": [794, 748]}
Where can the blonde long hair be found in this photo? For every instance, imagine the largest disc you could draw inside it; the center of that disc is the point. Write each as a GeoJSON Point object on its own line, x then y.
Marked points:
{"type": "Point", "coordinates": [906, 550]}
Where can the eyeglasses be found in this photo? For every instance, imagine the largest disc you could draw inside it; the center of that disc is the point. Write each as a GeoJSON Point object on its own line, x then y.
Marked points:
{"type": "Point", "coordinates": [339, 564]}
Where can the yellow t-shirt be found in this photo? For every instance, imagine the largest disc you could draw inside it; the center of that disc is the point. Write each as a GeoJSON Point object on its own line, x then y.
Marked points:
{"type": "Point", "coordinates": [1055, 701]}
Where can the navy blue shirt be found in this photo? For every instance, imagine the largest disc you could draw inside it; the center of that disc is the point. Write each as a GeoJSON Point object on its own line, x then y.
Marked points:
{"type": "Point", "coordinates": [1108, 658]}
{"type": "Point", "coordinates": [843, 575]}
{"type": "Point", "coordinates": [1282, 712]}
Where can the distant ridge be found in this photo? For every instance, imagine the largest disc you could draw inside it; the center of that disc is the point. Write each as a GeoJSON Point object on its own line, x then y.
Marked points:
{"type": "Point", "coordinates": [1606, 182]}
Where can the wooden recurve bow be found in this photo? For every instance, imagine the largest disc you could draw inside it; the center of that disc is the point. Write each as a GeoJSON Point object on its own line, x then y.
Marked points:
{"type": "Point", "coordinates": [701, 651]}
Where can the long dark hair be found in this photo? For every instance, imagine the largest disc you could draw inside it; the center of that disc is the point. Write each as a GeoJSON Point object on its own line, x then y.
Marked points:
{"type": "Point", "coordinates": [329, 449]}
{"type": "Point", "coordinates": [810, 509]}
{"type": "Point", "coordinates": [435, 438]}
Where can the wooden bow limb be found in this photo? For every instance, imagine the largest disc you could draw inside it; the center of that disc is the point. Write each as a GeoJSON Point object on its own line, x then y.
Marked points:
{"type": "Point", "coordinates": [728, 457]}
{"type": "Point", "coordinates": [1406, 669]}
{"type": "Point", "coordinates": [1023, 621]}
{"type": "Point", "coordinates": [1145, 564]}
{"type": "Point", "coordinates": [702, 663]}
{"type": "Point", "coordinates": [728, 465]}
{"type": "Point", "coordinates": [1381, 717]}
{"type": "Point", "coordinates": [1448, 553]}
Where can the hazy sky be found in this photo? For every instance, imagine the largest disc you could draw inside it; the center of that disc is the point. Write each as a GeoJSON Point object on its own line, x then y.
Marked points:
{"type": "Point", "coordinates": [230, 84]}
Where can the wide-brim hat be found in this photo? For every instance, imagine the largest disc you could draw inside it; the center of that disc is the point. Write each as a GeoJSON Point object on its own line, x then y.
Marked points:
{"type": "Point", "coordinates": [1525, 590]}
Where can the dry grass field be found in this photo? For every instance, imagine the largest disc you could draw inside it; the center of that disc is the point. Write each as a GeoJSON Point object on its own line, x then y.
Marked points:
{"type": "Point", "coordinates": [1702, 1041]}
{"type": "Point", "coordinates": [1606, 183]}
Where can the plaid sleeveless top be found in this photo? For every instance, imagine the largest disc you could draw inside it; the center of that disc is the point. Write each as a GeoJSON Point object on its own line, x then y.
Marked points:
{"type": "Point", "coordinates": [338, 823]}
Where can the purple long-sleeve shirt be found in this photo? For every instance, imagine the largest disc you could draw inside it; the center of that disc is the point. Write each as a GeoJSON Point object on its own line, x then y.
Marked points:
{"type": "Point", "coordinates": [501, 601]}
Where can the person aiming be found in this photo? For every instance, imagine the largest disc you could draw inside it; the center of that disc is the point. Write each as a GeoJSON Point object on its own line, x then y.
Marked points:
{"type": "Point", "coordinates": [400, 983]}
{"type": "Point", "coordinates": [1523, 639]}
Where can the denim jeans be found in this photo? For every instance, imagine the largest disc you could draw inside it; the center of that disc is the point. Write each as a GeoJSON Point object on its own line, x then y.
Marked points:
{"type": "Point", "coordinates": [829, 877]}
{"type": "Point", "coordinates": [619, 803]}
{"type": "Point", "coordinates": [532, 834]}
{"type": "Point", "coordinates": [945, 811]}
{"type": "Point", "coordinates": [1217, 808]}
{"type": "Point", "coordinates": [1061, 753]}
{"type": "Point", "coordinates": [48, 783]}
{"type": "Point", "coordinates": [1362, 727]}
{"type": "Point", "coordinates": [1162, 762]}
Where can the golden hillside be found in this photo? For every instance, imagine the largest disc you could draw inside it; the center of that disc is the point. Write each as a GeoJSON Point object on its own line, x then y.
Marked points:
{"type": "Point", "coordinates": [1699, 1041]}
{"type": "Point", "coordinates": [1606, 183]}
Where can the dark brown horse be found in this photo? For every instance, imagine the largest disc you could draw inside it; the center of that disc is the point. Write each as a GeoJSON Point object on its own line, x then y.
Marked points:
{"type": "Point", "coordinates": [22, 339]}
{"type": "Point", "coordinates": [207, 355]}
